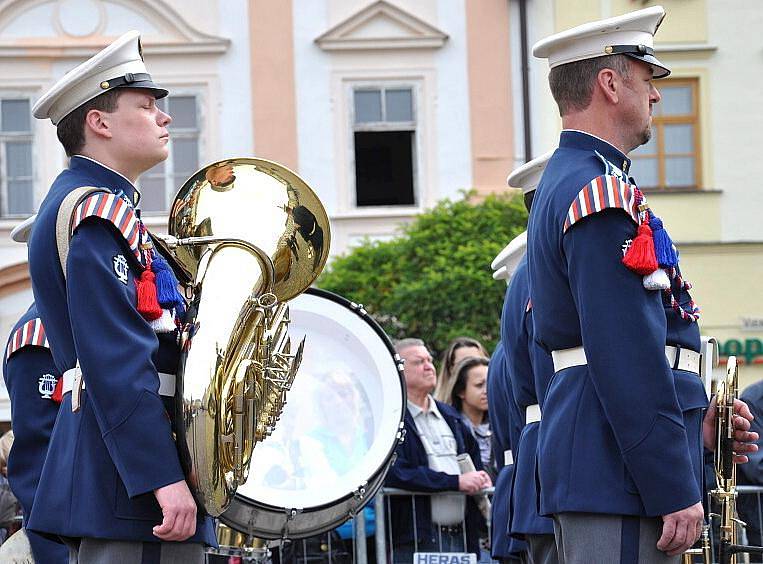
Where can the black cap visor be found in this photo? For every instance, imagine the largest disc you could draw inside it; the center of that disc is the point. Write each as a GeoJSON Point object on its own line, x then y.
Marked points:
{"type": "Point", "coordinates": [659, 69]}
{"type": "Point", "coordinates": [130, 80]}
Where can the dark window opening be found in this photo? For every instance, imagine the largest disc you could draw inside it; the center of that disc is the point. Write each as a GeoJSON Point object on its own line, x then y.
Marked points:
{"type": "Point", "coordinates": [384, 168]}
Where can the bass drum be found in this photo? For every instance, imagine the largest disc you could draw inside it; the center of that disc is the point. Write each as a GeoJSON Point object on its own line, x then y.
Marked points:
{"type": "Point", "coordinates": [336, 438]}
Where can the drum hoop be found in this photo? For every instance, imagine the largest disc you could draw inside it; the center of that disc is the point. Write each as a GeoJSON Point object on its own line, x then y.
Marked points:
{"type": "Point", "coordinates": [375, 480]}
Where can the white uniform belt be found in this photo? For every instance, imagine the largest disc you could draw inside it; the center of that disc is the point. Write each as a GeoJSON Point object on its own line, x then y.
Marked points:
{"type": "Point", "coordinates": [678, 358]}
{"type": "Point", "coordinates": [532, 414]}
{"type": "Point", "coordinates": [508, 457]}
{"type": "Point", "coordinates": [166, 382]}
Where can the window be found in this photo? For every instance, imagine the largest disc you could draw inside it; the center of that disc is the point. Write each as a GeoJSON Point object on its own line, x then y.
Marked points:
{"type": "Point", "coordinates": [17, 186]}
{"type": "Point", "coordinates": [671, 159]}
{"type": "Point", "coordinates": [160, 184]}
{"type": "Point", "coordinates": [384, 131]}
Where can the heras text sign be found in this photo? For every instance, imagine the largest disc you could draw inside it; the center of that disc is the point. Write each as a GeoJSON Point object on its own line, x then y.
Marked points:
{"type": "Point", "coordinates": [444, 558]}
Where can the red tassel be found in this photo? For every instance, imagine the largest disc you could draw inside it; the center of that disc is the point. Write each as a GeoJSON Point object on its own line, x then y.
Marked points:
{"type": "Point", "coordinates": [58, 394]}
{"type": "Point", "coordinates": [148, 303]}
{"type": "Point", "coordinates": [641, 257]}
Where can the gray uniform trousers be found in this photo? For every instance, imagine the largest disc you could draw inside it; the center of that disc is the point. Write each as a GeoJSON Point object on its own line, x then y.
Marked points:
{"type": "Point", "coordinates": [542, 549]}
{"type": "Point", "coordinates": [101, 551]}
{"type": "Point", "coordinates": [591, 538]}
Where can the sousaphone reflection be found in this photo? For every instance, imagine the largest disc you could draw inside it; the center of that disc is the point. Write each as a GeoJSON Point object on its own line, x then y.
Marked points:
{"type": "Point", "coordinates": [247, 235]}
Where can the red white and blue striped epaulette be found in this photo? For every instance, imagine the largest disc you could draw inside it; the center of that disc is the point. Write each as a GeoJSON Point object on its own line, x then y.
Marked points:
{"type": "Point", "coordinates": [114, 209]}
{"type": "Point", "coordinates": [601, 193]}
{"type": "Point", "coordinates": [31, 333]}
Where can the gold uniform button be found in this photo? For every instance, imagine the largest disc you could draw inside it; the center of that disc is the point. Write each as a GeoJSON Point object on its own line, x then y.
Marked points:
{"type": "Point", "coordinates": [104, 85]}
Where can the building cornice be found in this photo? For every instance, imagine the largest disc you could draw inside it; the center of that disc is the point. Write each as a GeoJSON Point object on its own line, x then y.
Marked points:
{"type": "Point", "coordinates": [411, 32]}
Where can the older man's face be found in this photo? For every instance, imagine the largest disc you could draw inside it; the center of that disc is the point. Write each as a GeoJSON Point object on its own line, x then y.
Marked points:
{"type": "Point", "coordinates": [420, 375]}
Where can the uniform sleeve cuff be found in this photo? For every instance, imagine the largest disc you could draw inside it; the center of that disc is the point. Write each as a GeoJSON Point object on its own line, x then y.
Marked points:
{"type": "Point", "coordinates": [143, 449]}
{"type": "Point", "coordinates": [662, 470]}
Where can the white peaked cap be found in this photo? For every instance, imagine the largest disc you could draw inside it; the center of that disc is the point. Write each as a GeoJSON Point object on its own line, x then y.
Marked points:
{"type": "Point", "coordinates": [118, 65]}
{"type": "Point", "coordinates": [631, 34]}
{"type": "Point", "coordinates": [527, 176]}
{"type": "Point", "coordinates": [507, 260]}
{"type": "Point", "coordinates": [21, 232]}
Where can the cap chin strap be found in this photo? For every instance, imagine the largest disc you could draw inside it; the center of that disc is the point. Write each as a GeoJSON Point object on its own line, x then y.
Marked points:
{"type": "Point", "coordinates": [127, 79]}
{"type": "Point", "coordinates": [628, 50]}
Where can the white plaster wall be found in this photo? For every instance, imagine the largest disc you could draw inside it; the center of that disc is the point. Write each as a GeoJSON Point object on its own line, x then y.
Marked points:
{"type": "Point", "coordinates": [736, 116]}
{"type": "Point", "coordinates": [234, 130]}
{"type": "Point", "coordinates": [452, 130]}
{"type": "Point", "coordinates": [208, 17]}
{"type": "Point", "coordinates": [545, 121]}
{"type": "Point", "coordinates": [315, 106]}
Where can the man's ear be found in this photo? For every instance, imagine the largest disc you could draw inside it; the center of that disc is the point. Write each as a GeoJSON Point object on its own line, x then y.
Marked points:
{"type": "Point", "coordinates": [609, 83]}
{"type": "Point", "coordinates": [98, 123]}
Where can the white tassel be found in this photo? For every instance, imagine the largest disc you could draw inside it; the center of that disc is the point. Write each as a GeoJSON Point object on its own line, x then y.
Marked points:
{"type": "Point", "coordinates": [657, 280]}
{"type": "Point", "coordinates": [164, 324]}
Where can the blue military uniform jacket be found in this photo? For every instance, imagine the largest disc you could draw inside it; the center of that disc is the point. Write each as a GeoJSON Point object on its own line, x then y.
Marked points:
{"type": "Point", "coordinates": [505, 423]}
{"type": "Point", "coordinates": [104, 461]}
{"type": "Point", "coordinates": [411, 471]}
{"type": "Point", "coordinates": [530, 369]}
{"type": "Point", "coordinates": [751, 473]}
{"type": "Point", "coordinates": [622, 433]}
{"type": "Point", "coordinates": [31, 377]}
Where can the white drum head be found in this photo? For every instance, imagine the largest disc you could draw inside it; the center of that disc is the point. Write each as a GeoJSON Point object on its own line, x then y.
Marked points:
{"type": "Point", "coordinates": [342, 416]}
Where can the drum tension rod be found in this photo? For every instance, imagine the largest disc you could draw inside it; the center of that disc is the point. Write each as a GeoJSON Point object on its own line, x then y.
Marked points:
{"type": "Point", "coordinates": [360, 491]}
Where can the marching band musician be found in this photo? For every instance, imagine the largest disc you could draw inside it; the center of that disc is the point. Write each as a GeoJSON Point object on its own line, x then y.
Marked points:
{"type": "Point", "coordinates": [30, 377]}
{"type": "Point", "coordinates": [506, 420]}
{"type": "Point", "coordinates": [620, 442]}
{"type": "Point", "coordinates": [112, 485]}
{"type": "Point", "coordinates": [530, 370]}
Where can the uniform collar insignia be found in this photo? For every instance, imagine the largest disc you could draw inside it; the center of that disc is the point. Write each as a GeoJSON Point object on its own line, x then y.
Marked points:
{"type": "Point", "coordinates": [611, 169]}
{"type": "Point", "coordinates": [582, 140]}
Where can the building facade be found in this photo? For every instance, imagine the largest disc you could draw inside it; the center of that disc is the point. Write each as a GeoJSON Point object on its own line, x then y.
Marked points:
{"type": "Point", "coordinates": [384, 107]}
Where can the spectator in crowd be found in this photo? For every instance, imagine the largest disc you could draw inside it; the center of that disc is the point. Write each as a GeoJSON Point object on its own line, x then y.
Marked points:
{"type": "Point", "coordinates": [459, 349]}
{"type": "Point", "coordinates": [469, 396]}
{"type": "Point", "coordinates": [426, 461]}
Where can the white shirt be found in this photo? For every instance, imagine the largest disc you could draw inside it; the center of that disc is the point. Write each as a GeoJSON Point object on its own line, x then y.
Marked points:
{"type": "Point", "coordinates": [441, 448]}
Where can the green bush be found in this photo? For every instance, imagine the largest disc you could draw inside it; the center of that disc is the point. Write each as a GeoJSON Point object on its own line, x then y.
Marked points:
{"type": "Point", "coordinates": [434, 280]}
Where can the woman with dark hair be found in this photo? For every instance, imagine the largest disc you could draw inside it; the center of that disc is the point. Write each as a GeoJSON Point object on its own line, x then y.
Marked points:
{"type": "Point", "coordinates": [469, 396]}
{"type": "Point", "coordinates": [459, 349]}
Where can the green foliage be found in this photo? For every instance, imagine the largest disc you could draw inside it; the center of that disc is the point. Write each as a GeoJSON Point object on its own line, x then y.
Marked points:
{"type": "Point", "coordinates": [434, 280]}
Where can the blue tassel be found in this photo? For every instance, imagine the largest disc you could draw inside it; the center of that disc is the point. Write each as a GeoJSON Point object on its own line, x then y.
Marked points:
{"type": "Point", "coordinates": [663, 245]}
{"type": "Point", "coordinates": [166, 283]}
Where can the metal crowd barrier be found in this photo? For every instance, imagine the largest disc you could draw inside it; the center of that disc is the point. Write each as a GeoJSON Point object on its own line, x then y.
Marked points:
{"type": "Point", "coordinates": [361, 548]}
{"type": "Point", "coordinates": [385, 544]}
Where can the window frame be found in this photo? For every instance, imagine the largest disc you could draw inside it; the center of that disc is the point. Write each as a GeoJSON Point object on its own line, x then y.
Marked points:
{"type": "Point", "coordinates": [414, 126]}
{"type": "Point", "coordinates": [658, 123]}
{"type": "Point", "coordinates": [29, 136]}
{"type": "Point", "coordinates": [185, 133]}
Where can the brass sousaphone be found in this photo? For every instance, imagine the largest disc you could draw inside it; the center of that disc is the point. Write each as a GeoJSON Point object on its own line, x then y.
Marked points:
{"type": "Point", "coordinates": [246, 235]}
